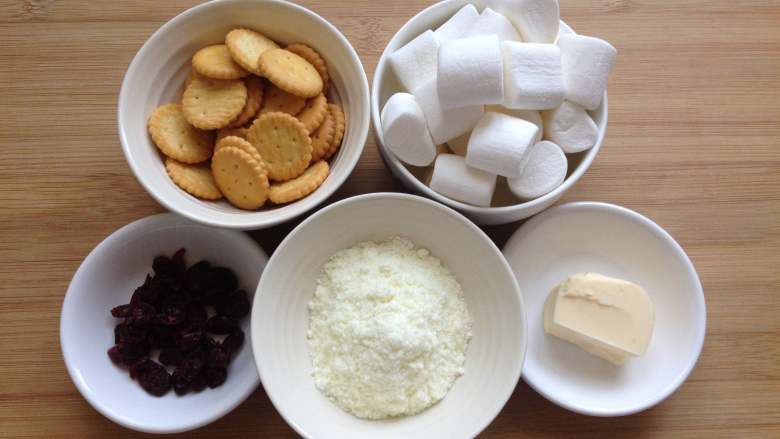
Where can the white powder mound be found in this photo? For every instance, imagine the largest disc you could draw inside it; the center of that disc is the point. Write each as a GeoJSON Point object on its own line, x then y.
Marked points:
{"type": "Point", "coordinates": [388, 329]}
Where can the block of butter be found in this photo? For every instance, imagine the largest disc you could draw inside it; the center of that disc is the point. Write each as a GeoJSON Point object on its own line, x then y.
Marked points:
{"type": "Point", "coordinates": [610, 318]}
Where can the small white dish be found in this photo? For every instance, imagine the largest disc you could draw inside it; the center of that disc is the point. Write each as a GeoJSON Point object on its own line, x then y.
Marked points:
{"type": "Point", "coordinates": [618, 242]}
{"type": "Point", "coordinates": [107, 278]}
{"type": "Point", "coordinates": [280, 317]}
{"type": "Point", "coordinates": [156, 76]}
{"type": "Point", "coordinates": [505, 207]}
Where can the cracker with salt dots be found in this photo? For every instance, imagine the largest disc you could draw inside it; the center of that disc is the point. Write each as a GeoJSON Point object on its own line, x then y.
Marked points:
{"type": "Point", "coordinates": [176, 138]}
{"type": "Point", "coordinates": [341, 124]}
{"type": "Point", "coordinates": [313, 113]}
{"type": "Point", "coordinates": [300, 186]}
{"type": "Point", "coordinates": [322, 138]}
{"type": "Point", "coordinates": [290, 72]}
{"type": "Point", "coordinates": [215, 62]}
{"type": "Point", "coordinates": [283, 143]}
{"type": "Point", "coordinates": [242, 144]}
{"type": "Point", "coordinates": [246, 46]}
{"type": "Point", "coordinates": [196, 180]}
{"type": "Point", "coordinates": [241, 178]}
{"type": "Point", "coordinates": [314, 58]}
{"type": "Point", "coordinates": [225, 132]}
{"type": "Point", "coordinates": [278, 100]}
{"type": "Point", "coordinates": [210, 103]}
{"type": "Point", "coordinates": [254, 98]}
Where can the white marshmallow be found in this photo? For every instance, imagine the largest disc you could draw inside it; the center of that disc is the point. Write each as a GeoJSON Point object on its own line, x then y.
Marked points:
{"type": "Point", "coordinates": [470, 72]}
{"type": "Point", "coordinates": [544, 170]}
{"type": "Point", "coordinates": [491, 22]}
{"type": "Point", "coordinates": [532, 116]}
{"type": "Point", "coordinates": [405, 131]}
{"type": "Point", "coordinates": [533, 79]}
{"type": "Point", "coordinates": [587, 63]}
{"type": "Point", "coordinates": [537, 20]}
{"type": "Point", "coordinates": [445, 124]}
{"type": "Point", "coordinates": [454, 179]}
{"type": "Point", "coordinates": [458, 24]}
{"type": "Point", "coordinates": [415, 63]}
{"type": "Point", "coordinates": [460, 144]}
{"type": "Point", "coordinates": [499, 144]}
{"type": "Point", "coordinates": [570, 127]}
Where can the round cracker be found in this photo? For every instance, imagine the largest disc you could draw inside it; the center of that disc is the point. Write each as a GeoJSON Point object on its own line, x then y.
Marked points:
{"type": "Point", "coordinates": [314, 58]}
{"type": "Point", "coordinates": [313, 113]}
{"type": "Point", "coordinates": [178, 139]}
{"type": "Point", "coordinates": [242, 144]}
{"type": "Point", "coordinates": [225, 132]}
{"type": "Point", "coordinates": [300, 186]}
{"type": "Point", "coordinates": [210, 103]}
{"type": "Point", "coordinates": [254, 98]}
{"type": "Point", "coordinates": [246, 46]}
{"type": "Point", "coordinates": [241, 178]}
{"type": "Point", "coordinates": [290, 72]}
{"type": "Point", "coordinates": [215, 62]}
{"type": "Point", "coordinates": [283, 143]}
{"type": "Point", "coordinates": [341, 124]}
{"type": "Point", "coordinates": [197, 180]}
{"type": "Point", "coordinates": [322, 139]}
{"type": "Point", "coordinates": [278, 100]}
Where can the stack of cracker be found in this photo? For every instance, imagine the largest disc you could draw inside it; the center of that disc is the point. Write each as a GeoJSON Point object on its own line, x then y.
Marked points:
{"type": "Point", "coordinates": [254, 123]}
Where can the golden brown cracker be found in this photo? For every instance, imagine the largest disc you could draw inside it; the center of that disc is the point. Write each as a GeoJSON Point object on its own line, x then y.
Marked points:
{"type": "Point", "coordinates": [254, 98]}
{"type": "Point", "coordinates": [313, 113]}
{"type": "Point", "coordinates": [322, 138]}
{"type": "Point", "coordinates": [300, 186]}
{"type": "Point", "coordinates": [225, 132]}
{"type": "Point", "coordinates": [241, 178]}
{"type": "Point", "coordinates": [314, 58]}
{"type": "Point", "coordinates": [178, 139]}
{"type": "Point", "coordinates": [210, 103]}
{"type": "Point", "coordinates": [283, 143]}
{"type": "Point", "coordinates": [197, 179]}
{"type": "Point", "coordinates": [278, 100]}
{"type": "Point", "coordinates": [242, 144]}
{"type": "Point", "coordinates": [246, 46]}
{"type": "Point", "coordinates": [341, 124]}
{"type": "Point", "coordinates": [290, 72]}
{"type": "Point", "coordinates": [215, 62]}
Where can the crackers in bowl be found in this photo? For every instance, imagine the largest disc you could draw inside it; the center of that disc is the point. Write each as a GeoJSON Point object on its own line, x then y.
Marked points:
{"type": "Point", "coordinates": [254, 125]}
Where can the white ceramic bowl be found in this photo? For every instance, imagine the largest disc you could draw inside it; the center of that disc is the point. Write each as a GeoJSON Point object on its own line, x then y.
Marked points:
{"type": "Point", "coordinates": [280, 317]}
{"type": "Point", "coordinates": [107, 278]}
{"type": "Point", "coordinates": [156, 76]}
{"type": "Point", "coordinates": [505, 207]}
{"type": "Point", "coordinates": [614, 241]}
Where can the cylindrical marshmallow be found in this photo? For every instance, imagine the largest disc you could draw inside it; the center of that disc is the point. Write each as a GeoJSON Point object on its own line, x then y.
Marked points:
{"type": "Point", "coordinates": [532, 116]}
{"type": "Point", "coordinates": [458, 24]}
{"type": "Point", "coordinates": [491, 22]}
{"type": "Point", "coordinates": [445, 124]}
{"type": "Point", "coordinates": [415, 63]}
{"type": "Point", "coordinates": [587, 63]}
{"type": "Point", "coordinates": [405, 131]}
{"type": "Point", "coordinates": [460, 144]}
{"type": "Point", "coordinates": [470, 72]}
{"type": "Point", "coordinates": [533, 79]}
{"type": "Point", "coordinates": [499, 144]}
{"type": "Point", "coordinates": [544, 170]}
{"type": "Point", "coordinates": [537, 20]}
{"type": "Point", "coordinates": [570, 127]}
{"type": "Point", "coordinates": [458, 181]}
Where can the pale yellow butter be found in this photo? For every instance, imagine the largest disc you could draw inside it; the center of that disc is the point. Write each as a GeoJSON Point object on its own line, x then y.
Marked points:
{"type": "Point", "coordinates": [610, 318]}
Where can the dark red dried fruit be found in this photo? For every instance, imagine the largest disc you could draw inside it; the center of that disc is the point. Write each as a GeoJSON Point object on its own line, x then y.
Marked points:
{"type": "Point", "coordinates": [196, 315]}
{"type": "Point", "coordinates": [215, 377]}
{"type": "Point", "coordinates": [180, 385]}
{"type": "Point", "coordinates": [171, 316]}
{"type": "Point", "coordinates": [235, 305]}
{"type": "Point", "coordinates": [220, 325]}
{"type": "Point", "coordinates": [198, 383]}
{"type": "Point", "coordinates": [121, 311]}
{"type": "Point", "coordinates": [124, 333]}
{"type": "Point", "coordinates": [129, 353]}
{"type": "Point", "coordinates": [140, 367]}
{"type": "Point", "coordinates": [218, 357]}
{"type": "Point", "coordinates": [191, 366]}
{"type": "Point", "coordinates": [162, 337]}
{"type": "Point", "coordinates": [114, 355]}
{"type": "Point", "coordinates": [171, 357]}
{"type": "Point", "coordinates": [147, 293]}
{"type": "Point", "coordinates": [232, 343]}
{"type": "Point", "coordinates": [141, 314]}
{"type": "Point", "coordinates": [188, 339]}
{"type": "Point", "coordinates": [155, 379]}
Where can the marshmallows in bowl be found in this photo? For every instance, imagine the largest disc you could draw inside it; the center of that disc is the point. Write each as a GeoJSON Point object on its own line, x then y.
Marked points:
{"type": "Point", "coordinates": [506, 93]}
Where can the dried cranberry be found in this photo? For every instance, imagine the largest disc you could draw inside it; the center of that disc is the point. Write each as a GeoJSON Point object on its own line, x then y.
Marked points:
{"type": "Point", "coordinates": [171, 316]}
{"type": "Point", "coordinates": [232, 343]}
{"type": "Point", "coordinates": [196, 315]}
{"type": "Point", "coordinates": [162, 337]}
{"type": "Point", "coordinates": [171, 357]}
{"type": "Point", "coordinates": [180, 385]}
{"type": "Point", "coordinates": [198, 383]}
{"type": "Point", "coordinates": [190, 367]}
{"type": "Point", "coordinates": [124, 333]}
{"type": "Point", "coordinates": [219, 282]}
{"type": "Point", "coordinates": [188, 339]}
{"type": "Point", "coordinates": [235, 305]}
{"type": "Point", "coordinates": [129, 353]}
{"type": "Point", "coordinates": [218, 357]}
{"type": "Point", "coordinates": [208, 343]}
{"type": "Point", "coordinates": [140, 367]}
{"type": "Point", "coordinates": [215, 376]}
{"type": "Point", "coordinates": [114, 355]}
{"type": "Point", "coordinates": [141, 314]}
{"type": "Point", "coordinates": [156, 380]}
{"type": "Point", "coordinates": [121, 311]}
{"type": "Point", "coordinates": [147, 293]}
{"type": "Point", "coordinates": [220, 325]}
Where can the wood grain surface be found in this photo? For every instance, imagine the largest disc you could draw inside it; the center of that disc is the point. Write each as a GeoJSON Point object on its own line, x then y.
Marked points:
{"type": "Point", "coordinates": [693, 143]}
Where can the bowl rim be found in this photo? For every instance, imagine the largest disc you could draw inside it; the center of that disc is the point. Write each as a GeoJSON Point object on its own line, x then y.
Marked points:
{"type": "Point", "coordinates": [393, 162]}
{"type": "Point", "coordinates": [119, 236]}
{"type": "Point", "coordinates": [521, 311]}
{"type": "Point", "coordinates": [239, 221]}
{"type": "Point", "coordinates": [697, 292]}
